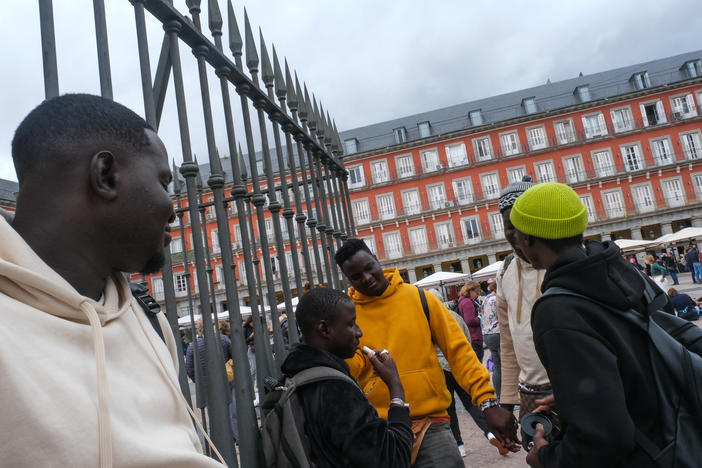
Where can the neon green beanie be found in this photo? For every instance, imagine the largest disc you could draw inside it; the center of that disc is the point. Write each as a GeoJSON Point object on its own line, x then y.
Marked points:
{"type": "Point", "coordinates": [549, 211]}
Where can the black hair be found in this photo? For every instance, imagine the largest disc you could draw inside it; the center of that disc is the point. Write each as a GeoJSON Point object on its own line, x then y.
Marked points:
{"type": "Point", "coordinates": [59, 127]}
{"type": "Point", "coordinates": [349, 249]}
{"type": "Point", "coordinates": [560, 245]}
{"type": "Point", "coordinates": [318, 304]}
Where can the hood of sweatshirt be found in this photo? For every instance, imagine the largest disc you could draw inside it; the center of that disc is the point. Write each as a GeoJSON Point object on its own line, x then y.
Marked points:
{"type": "Point", "coordinates": [304, 356]}
{"type": "Point", "coordinates": [392, 275]}
{"type": "Point", "coordinates": [598, 271]}
{"type": "Point", "coordinates": [25, 277]}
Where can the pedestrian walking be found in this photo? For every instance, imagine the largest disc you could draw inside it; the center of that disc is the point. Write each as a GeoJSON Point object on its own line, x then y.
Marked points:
{"type": "Point", "coordinates": [469, 309]}
{"type": "Point", "coordinates": [693, 262]}
{"type": "Point", "coordinates": [491, 335]}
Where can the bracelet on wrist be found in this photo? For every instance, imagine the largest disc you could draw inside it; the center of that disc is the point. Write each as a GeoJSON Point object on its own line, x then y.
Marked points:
{"type": "Point", "coordinates": [399, 402]}
{"type": "Point", "coordinates": [489, 403]}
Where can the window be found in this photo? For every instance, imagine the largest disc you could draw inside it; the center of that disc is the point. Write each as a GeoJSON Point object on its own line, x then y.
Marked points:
{"type": "Point", "coordinates": [424, 129]}
{"type": "Point", "coordinates": [219, 275]}
{"type": "Point", "coordinates": [491, 185]}
{"type": "Point", "coordinates": [476, 117]}
{"type": "Point", "coordinates": [604, 165]}
{"type": "Point", "coordinates": [632, 158]}
{"type": "Point", "coordinates": [471, 229]}
{"type": "Point", "coordinates": [289, 263]}
{"type": "Point", "coordinates": [214, 235]}
{"type": "Point", "coordinates": [456, 155]}
{"type": "Point", "coordinates": [418, 239]}
{"type": "Point", "coordinates": [355, 177]}
{"type": "Point", "coordinates": [693, 68]}
{"type": "Point", "coordinates": [564, 132]}
{"type": "Point", "coordinates": [463, 190]}
{"type": "Point", "coordinates": [400, 135]}
{"type": "Point", "coordinates": [652, 113]}
{"type": "Point", "coordinates": [483, 148]}
{"type": "Point", "coordinates": [683, 107]}
{"type": "Point", "coordinates": [574, 169]}
{"type": "Point", "coordinates": [589, 206]}
{"type": "Point", "coordinates": [370, 242]}
{"type": "Point", "coordinates": [351, 146]}
{"type": "Point", "coordinates": [157, 288]}
{"type": "Point", "coordinates": [379, 171]}
{"type": "Point", "coordinates": [661, 151]}
{"type": "Point", "coordinates": [582, 93]}
{"type": "Point", "coordinates": [444, 234]}
{"type": "Point", "coordinates": [269, 230]}
{"type": "Point", "coordinates": [673, 192]}
{"type": "Point", "coordinates": [594, 125]}
{"type": "Point", "coordinates": [437, 196]}
{"type": "Point", "coordinates": [430, 161]}
{"type": "Point", "coordinates": [241, 268]}
{"type": "Point", "coordinates": [691, 145]}
{"type": "Point", "coordinates": [405, 166]}
{"type": "Point", "coordinates": [410, 202]}
{"type": "Point", "coordinates": [643, 198]}
{"type": "Point", "coordinates": [236, 244]}
{"type": "Point", "coordinates": [176, 245]}
{"type": "Point", "coordinates": [181, 283]}
{"type": "Point", "coordinates": [496, 225]}
{"type": "Point", "coordinates": [393, 244]}
{"type": "Point", "coordinates": [516, 174]}
{"type": "Point", "coordinates": [537, 138]}
{"type": "Point", "coordinates": [613, 203]}
{"type": "Point", "coordinates": [544, 172]}
{"type": "Point", "coordinates": [510, 143]}
{"type": "Point", "coordinates": [697, 181]}
{"type": "Point", "coordinates": [621, 119]}
{"type": "Point", "coordinates": [386, 206]}
{"type": "Point", "coordinates": [640, 80]}
{"type": "Point", "coordinates": [529, 105]}
{"type": "Point", "coordinates": [361, 213]}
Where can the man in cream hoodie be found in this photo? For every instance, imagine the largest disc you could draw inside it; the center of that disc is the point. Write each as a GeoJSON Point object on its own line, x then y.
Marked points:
{"type": "Point", "coordinates": [86, 381]}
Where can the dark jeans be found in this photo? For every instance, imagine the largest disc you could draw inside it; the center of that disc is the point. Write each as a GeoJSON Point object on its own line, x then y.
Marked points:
{"type": "Point", "coordinates": [674, 276]}
{"type": "Point", "coordinates": [438, 450]}
{"type": "Point", "coordinates": [479, 351]}
{"type": "Point", "coordinates": [475, 413]}
{"type": "Point", "coordinates": [492, 341]}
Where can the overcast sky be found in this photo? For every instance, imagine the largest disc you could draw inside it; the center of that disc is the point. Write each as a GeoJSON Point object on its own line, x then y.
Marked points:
{"type": "Point", "coordinates": [367, 61]}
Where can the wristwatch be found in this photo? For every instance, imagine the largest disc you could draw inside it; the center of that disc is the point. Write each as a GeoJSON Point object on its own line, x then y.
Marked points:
{"type": "Point", "coordinates": [489, 403]}
{"type": "Point", "coordinates": [399, 402]}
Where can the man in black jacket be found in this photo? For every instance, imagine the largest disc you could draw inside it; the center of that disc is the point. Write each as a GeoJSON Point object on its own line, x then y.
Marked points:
{"type": "Point", "coordinates": [342, 427]}
{"type": "Point", "coordinates": [598, 364]}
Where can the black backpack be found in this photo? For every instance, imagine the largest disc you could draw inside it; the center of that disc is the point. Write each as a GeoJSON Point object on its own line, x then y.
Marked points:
{"type": "Point", "coordinates": [675, 348]}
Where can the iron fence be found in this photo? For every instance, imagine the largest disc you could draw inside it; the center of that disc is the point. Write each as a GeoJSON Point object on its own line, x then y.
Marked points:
{"type": "Point", "coordinates": [305, 151]}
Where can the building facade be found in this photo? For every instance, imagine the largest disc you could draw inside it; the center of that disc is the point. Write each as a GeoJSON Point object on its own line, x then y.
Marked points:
{"type": "Point", "coordinates": [424, 188]}
{"type": "Point", "coordinates": [8, 194]}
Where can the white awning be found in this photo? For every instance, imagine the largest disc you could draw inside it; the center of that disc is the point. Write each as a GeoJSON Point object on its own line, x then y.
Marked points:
{"type": "Point", "coordinates": [682, 235]}
{"type": "Point", "coordinates": [442, 278]}
{"type": "Point", "coordinates": [488, 272]}
{"type": "Point", "coordinates": [631, 245]}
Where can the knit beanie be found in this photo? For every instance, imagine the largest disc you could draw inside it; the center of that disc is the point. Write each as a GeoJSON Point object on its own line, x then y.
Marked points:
{"type": "Point", "coordinates": [549, 211]}
{"type": "Point", "coordinates": [510, 193]}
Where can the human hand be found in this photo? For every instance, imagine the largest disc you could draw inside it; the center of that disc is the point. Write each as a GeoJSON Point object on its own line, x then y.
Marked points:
{"type": "Point", "coordinates": [532, 458]}
{"type": "Point", "coordinates": [385, 367]}
{"type": "Point", "coordinates": [503, 425]}
{"type": "Point", "coordinates": [548, 403]}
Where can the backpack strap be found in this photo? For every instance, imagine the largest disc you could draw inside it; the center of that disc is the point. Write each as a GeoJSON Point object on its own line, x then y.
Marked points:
{"type": "Point", "coordinates": [425, 306]}
{"type": "Point", "coordinates": [148, 305]}
{"type": "Point", "coordinates": [318, 374]}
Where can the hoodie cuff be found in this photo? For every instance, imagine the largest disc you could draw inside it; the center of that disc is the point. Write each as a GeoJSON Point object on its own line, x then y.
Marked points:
{"type": "Point", "coordinates": [398, 414]}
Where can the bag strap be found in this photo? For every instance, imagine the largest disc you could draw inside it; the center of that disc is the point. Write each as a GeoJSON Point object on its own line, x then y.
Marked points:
{"type": "Point", "coordinates": [425, 306]}
{"type": "Point", "coordinates": [318, 374]}
{"type": "Point", "coordinates": [148, 305]}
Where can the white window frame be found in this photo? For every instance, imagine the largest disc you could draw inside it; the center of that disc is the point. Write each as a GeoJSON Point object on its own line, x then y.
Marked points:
{"type": "Point", "coordinates": [482, 148]}
{"type": "Point", "coordinates": [400, 135]}
{"type": "Point", "coordinates": [370, 242]}
{"type": "Point", "coordinates": [497, 226]}
{"type": "Point", "coordinates": [362, 180]}
{"type": "Point", "coordinates": [672, 200]}
{"type": "Point", "coordinates": [418, 247]}
{"type": "Point", "coordinates": [660, 112]}
{"type": "Point", "coordinates": [574, 168]}
{"type": "Point", "coordinates": [386, 206]}
{"type": "Point", "coordinates": [176, 245]}
{"type": "Point", "coordinates": [644, 202]}
{"type": "Point", "coordinates": [626, 152]}
{"type": "Point", "coordinates": [214, 238]}
{"type": "Point", "coordinates": [602, 170]}
{"type": "Point", "coordinates": [589, 204]}
{"type": "Point", "coordinates": [157, 287]}
{"type": "Point", "coordinates": [180, 282]}
{"type": "Point", "coordinates": [404, 170]}
{"type": "Point", "coordinates": [351, 146]}
{"type": "Point", "coordinates": [516, 173]}
{"type": "Point", "coordinates": [545, 171]}
{"type": "Point", "coordinates": [627, 122]}
{"type": "Point", "coordinates": [463, 198]}
{"type": "Point", "coordinates": [662, 159]}
{"type": "Point", "coordinates": [490, 191]}
{"type": "Point", "coordinates": [379, 171]}
{"type": "Point", "coordinates": [408, 207]}
{"type": "Point", "coordinates": [565, 137]}
{"type": "Point", "coordinates": [691, 153]}
{"type": "Point", "coordinates": [614, 211]}
{"type": "Point", "coordinates": [592, 131]}
{"type": "Point", "coordinates": [394, 252]}
{"type": "Point", "coordinates": [537, 143]}
{"type": "Point", "coordinates": [696, 178]}
{"type": "Point", "coordinates": [439, 201]}
{"type": "Point", "coordinates": [427, 165]}
{"type": "Point", "coordinates": [444, 234]}
{"type": "Point", "coordinates": [424, 129]}
{"type": "Point", "coordinates": [689, 101]}
{"type": "Point", "coordinates": [456, 154]}
{"type": "Point", "coordinates": [509, 141]}
{"type": "Point", "coordinates": [360, 212]}
{"type": "Point", "coordinates": [474, 237]}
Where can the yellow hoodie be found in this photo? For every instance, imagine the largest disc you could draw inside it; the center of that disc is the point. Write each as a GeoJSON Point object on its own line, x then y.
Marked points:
{"type": "Point", "coordinates": [84, 384]}
{"type": "Point", "coordinates": [395, 321]}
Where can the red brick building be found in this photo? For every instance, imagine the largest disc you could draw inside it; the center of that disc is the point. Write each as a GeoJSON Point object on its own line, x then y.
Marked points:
{"type": "Point", "coordinates": [424, 188]}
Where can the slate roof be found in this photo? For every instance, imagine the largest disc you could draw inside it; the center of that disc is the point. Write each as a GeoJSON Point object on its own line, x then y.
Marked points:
{"type": "Point", "coordinates": [8, 190]}
{"type": "Point", "coordinates": [503, 107]}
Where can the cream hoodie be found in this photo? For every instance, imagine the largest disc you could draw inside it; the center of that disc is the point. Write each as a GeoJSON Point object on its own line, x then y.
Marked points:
{"type": "Point", "coordinates": [84, 384]}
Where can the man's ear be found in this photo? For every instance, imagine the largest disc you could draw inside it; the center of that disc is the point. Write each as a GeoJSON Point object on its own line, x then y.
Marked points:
{"type": "Point", "coordinates": [103, 175]}
{"type": "Point", "coordinates": [322, 328]}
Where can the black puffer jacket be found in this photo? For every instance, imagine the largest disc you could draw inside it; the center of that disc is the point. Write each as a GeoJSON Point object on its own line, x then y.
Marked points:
{"type": "Point", "coordinates": [598, 364]}
{"type": "Point", "coordinates": [342, 426]}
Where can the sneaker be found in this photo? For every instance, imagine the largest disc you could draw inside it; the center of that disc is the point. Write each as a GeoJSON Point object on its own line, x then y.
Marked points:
{"type": "Point", "coordinates": [500, 448]}
{"type": "Point", "coordinates": [462, 449]}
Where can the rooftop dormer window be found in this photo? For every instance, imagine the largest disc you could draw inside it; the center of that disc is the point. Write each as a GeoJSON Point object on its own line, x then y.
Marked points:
{"type": "Point", "coordinates": [640, 80]}
{"type": "Point", "coordinates": [529, 105]}
{"type": "Point", "coordinates": [351, 146]}
{"type": "Point", "coordinates": [476, 117]}
{"type": "Point", "coordinates": [424, 129]}
{"type": "Point", "coordinates": [400, 135]}
{"type": "Point", "coordinates": [582, 93]}
{"type": "Point", "coordinates": [693, 68]}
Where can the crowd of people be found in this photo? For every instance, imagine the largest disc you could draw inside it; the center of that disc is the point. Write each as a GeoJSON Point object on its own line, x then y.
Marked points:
{"type": "Point", "coordinates": [98, 386]}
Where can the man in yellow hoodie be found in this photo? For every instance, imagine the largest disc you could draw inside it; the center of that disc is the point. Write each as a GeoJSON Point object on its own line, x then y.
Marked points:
{"type": "Point", "coordinates": [391, 315]}
{"type": "Point", "coordinates": [86, 381]}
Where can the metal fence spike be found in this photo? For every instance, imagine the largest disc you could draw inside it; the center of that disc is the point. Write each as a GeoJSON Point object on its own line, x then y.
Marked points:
{"type": "Point", "coordinates": [235, 42]}
{"type": "Point", "coordinates": [292, 95]}
{"type": "Point", "coordinates": [242, 165]}
{"type": "Point", "coordinates": [251, 54]}
{"type": "Point", "coordinates": [176, 180]}
{"type": "Point", "coordinates": [266, 68]}
{"type": "Point", "coordinates": [280, 89]}
{"type": "Point", "coordinates": [198, 178]}
{"type": "Point", "coordinates": [214, 17]}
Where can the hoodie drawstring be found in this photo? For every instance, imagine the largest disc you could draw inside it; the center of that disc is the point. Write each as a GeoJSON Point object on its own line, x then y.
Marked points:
{"type": "Point", "coordinates": [105, 435]}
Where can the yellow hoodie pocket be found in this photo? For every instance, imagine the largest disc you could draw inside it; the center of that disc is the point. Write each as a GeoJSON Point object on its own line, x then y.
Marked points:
{"type": "Point", "coordinates": [425, 391]}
